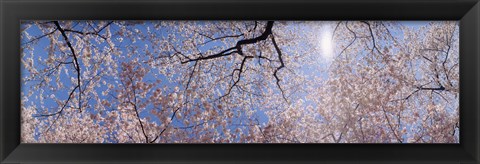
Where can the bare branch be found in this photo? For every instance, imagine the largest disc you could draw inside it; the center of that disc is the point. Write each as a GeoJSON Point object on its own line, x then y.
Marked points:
{"type": "Point", "coordinates": [279, 67]}
{"type": "Point", "coordinates": [76, 65]}
{"type": "Point", "coordinates": [391, 127]}
{"type": "Point", "coordinates": [95, 32]}
{"type": "Point", "coordinates": [40, 37]}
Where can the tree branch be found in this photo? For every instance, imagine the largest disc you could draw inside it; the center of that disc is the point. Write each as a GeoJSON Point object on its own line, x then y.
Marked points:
{"type": "Point", "coordinates": [390, 125]}
{"type": "Point", "coordinates": [95, 32]}
{"type": "Point", "coordinates": [373, 37]}
{"type": "Point", "coordinates": [76, 65]}
{"type": "Point", "coordinates": [238, 46]}
{"type": "Point", "coordinates": [136, 110]}
{"type": "Point", "coordinates": [278, 68]}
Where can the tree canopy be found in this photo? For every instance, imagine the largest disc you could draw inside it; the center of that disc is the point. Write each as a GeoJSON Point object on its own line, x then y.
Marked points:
{"type": "Point", "coordinates": [240, 82]}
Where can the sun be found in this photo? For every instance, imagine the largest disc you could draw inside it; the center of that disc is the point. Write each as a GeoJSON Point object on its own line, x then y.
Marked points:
{"type": "Point", "coordinates": [326, 43]}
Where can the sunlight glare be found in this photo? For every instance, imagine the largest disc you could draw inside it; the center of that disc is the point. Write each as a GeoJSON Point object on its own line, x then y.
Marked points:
{"type": "Point", "coordinates": [326, 43]}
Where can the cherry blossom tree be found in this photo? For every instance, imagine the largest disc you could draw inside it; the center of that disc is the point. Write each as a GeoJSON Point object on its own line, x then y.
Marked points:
{"type": "Point", "coordinates": [239, 82]}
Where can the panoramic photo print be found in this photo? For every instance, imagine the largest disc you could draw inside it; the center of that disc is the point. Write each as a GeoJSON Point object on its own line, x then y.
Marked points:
{"type": "Point", "coordinates": [102, 81]}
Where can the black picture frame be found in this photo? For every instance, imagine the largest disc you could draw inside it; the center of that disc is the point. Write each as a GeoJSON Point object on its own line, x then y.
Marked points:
{"type": "Point", "coordinates": [466, 11]}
